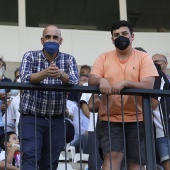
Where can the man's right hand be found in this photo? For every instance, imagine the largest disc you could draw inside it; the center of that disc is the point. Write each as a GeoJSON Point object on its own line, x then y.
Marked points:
{"type": "Point", "coordinates": [104, 86]}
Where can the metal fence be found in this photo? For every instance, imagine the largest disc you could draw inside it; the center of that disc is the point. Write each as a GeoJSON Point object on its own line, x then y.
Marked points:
{"type": "Point", "coordinates": [146, 95]}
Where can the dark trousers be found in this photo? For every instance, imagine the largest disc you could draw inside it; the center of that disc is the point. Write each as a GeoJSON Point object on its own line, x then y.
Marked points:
{"type": "Point", "coordinates": [84, 144]}
{"type": "Point", "coordinates": [38, 140]}
{"type": "Point", "coordinates": [2, 130]}
{"type": "Point", "coordinates": [92, 158]}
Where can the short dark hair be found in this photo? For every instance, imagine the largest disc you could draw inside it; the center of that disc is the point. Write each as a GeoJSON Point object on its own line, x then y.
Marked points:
{"type": "Point", "coordinates": [140, 49]}
{"type": "Point", "coordinates": [161, 55]}
{"type": "Point", "coordinates": [17, 69]}
{"type": "Point", "coordinates": [85, 67]}
{"type": "Point", "coordinates": [121, 23]}
{"type": "Point", "coordinates": [2, 138]}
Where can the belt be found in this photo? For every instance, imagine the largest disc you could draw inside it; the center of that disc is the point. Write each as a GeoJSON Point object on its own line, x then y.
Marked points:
{"type": "Point", "coordinates": [52, 117]}
{"type": "Point", "coordinates": [46, 117]}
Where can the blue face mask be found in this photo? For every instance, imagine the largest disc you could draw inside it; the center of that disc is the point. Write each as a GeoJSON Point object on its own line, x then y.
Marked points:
{"type": "Point", "coordinates": [14, 92]}
{"type": "Point", "coordinates": [51, 47]}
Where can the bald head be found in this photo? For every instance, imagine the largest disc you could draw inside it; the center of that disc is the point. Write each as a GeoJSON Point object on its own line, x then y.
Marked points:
{"type": "Point", "coordinates": [51, 27]}
{"type": "Point", "coordinates": [159, 57]}
{"type": "Point", "coordinates": [161, 60]}
{"type": "Point", "coordinates": [51, 33]}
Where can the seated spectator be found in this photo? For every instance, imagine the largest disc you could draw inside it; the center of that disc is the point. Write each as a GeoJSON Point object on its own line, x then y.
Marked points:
{"type": "Point", "coordinates": [160, 118]}
{"type": "Point", "coordinates": [84, 121]}
{"type": "Point", "coordinates": [85, 70]}
{"type": "Point", "coordinates": [92, 133]}
{"type": "Point", "coordinates": [12, 147]}
{"type": "Point", "coordinates": [13, 107]}
{"type": "Point", "coordinates": [2, 91]}
{"type": "Point", "coordinates": [73, 97]}
{"type": "Point", "coordinates": [163, 62]}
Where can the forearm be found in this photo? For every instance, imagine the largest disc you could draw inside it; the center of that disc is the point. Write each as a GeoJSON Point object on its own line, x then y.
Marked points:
{"type": "Point", "coordinates": [141, 85]}
{"type": "Point", "coordinates": [39, 76]}
{"type": "Point", "coordinates": [85, 110]}
{"type": "Point", "coordinates": [9, 167]}
{"type": "Point", "coordinates": [11, 152]}
{"type": "Point", "coordinates": [10, 157]}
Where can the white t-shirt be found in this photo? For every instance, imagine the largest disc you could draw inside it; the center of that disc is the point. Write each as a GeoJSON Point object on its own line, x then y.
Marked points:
{"type": "Point", "coordinates": [2, 155]}
{"type": "Point", "coordinates": [86, 97]}
{"type": "Point", "coordinates": [71, 106]}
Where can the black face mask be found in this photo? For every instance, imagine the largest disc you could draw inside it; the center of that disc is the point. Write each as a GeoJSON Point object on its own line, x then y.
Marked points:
{"type": "Point", "coordinates": [122, 42]}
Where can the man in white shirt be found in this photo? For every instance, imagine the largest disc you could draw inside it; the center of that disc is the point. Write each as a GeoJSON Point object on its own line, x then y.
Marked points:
{"type": "Point", "coordinates": [91, 134]}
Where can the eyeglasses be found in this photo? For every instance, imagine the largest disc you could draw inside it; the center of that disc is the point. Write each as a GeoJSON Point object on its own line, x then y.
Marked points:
{"type": "Point", "coordinates": [159, 61]}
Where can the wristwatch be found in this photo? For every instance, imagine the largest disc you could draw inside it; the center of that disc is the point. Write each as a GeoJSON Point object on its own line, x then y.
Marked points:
{"type": "Point", "coordinates": [62, 74]}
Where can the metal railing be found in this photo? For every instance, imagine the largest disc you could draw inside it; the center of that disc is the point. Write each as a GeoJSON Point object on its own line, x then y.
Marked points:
{"type": "Point", "coordinates": [144, 93]}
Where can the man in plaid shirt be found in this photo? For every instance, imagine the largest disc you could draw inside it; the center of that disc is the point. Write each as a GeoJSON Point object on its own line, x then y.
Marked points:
{"type": "Point", "coordinates": [46, 66]}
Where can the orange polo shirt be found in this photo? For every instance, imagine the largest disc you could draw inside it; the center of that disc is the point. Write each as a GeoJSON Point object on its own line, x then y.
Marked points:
{"type": "Point", "coordinates": [136, 67]}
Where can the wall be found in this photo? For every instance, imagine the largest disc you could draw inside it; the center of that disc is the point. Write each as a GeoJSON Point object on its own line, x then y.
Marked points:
{"type": "Point", "coordinates": [85, 46]}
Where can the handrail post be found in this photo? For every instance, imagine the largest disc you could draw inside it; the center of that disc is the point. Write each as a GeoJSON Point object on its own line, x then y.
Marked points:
{"type": "Point", "coordinates": [149, 135]}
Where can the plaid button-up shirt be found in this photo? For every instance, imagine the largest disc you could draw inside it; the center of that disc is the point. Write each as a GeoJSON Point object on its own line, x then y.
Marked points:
{"type": "Point", "coordinates": [43, 103]}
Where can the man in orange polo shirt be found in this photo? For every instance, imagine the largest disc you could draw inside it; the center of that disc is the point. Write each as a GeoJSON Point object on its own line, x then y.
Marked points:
{"type": "Point", "coordinates": [121, 68]}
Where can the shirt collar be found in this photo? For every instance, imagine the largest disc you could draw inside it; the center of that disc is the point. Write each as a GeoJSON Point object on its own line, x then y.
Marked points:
{"type": "Point", "coordinates": [46, 59]}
